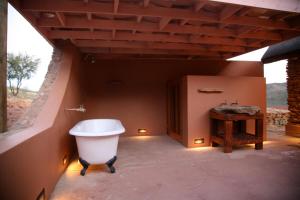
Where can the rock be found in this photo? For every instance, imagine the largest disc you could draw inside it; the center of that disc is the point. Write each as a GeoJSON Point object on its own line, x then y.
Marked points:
{"type": "Point", "coordinates": [235, 108]}
{"type": "Point", "coordinates": [277, 117]}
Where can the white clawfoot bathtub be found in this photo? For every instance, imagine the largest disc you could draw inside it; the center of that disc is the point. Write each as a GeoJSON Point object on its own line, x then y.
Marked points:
{"type": "Point", "coordinates": [97, 141]}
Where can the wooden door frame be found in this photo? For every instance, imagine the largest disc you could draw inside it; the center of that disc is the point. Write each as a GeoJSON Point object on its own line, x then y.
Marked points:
{"type": "Point", "coordinates": [173, 134]}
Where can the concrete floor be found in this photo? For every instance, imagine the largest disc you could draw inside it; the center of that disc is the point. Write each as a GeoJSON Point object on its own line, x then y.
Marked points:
{"type": "Point", "coordinates": [159, 168]}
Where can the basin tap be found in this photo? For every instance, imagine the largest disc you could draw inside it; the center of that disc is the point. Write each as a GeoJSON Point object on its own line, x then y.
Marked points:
{"type": "Point", "coordinates": [80, 109]}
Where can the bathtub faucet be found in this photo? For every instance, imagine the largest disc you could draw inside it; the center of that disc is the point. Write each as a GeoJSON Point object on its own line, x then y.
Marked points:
{"type": "Point", "coordinates": [80, 109]}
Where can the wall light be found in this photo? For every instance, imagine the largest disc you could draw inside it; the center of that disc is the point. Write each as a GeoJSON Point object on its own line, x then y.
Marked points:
{"type": "Point", "coordinates": [65, 160]}
{"type": "Point", "coordinates": [142, 130]}
{"type": "Point", "coordinates": [199, 141]}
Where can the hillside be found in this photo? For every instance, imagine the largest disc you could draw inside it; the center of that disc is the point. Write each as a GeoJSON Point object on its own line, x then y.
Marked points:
{"type": "Point", "coordinates": [17, 105]}
{"type": "Point", "coordinates": [276, 95]}
{"type": "Point", "coordinates": [23, 94]}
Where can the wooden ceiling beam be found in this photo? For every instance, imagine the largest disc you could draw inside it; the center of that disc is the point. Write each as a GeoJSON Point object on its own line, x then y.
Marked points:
{"type": "Point", "coordinates": [152, 27]}
{"type": "Point", "coordinates": [135, 57]}
{"type": "Point", "coordinates": [146, 3]}
{"type": "Point", "coordinates": [156, 45]}
{"type": "Point", "coordinates": [199, 5]}
{"type": "Point", "coordinates": [163, 3]}
{"type": "Point", "coordinates": [263, 35]}
{"type": "Point", "coordinates": [151, 11]}
{"type": "Point", "coordinates": [283, 16]}
{"type": "Point", "coordinates": [163, 23]}
{"type": "Point", "coordinates": [269, 24]}
{"type": "Point", "coordinates": [116, 6]}
{"type": "Point", "coordinates": [114, 34]}
{"type": "Point", "coordinates": [228, 11]}
{"type": "Point", "coordinates": [148, 51]}
{"type": "Point", "coordinates": [131, 25]}
{"type": "Point", "coordinates": [138, 19]}
{"type": "Point", "coordinates": [257, 42]}
{"type": "Point", "coordinates": [89, 16]}
{"type": "Point", "coordinates": [183, 22]}
{"type": "Point", "coordinates": [73, 41]}
{"type": "Point", "coordinates": [244, 11]}
{"type": "Point", "coordinates": [123, 36]}
{"type": "Point", "coordinates": [244, 30]}
{"type": "Point", "coordinates": [61, 18]}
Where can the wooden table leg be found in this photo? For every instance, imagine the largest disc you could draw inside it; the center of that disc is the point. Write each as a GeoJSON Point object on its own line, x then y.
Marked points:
{"type": "Point", "coordinates": [228, 136]}
{"type": "Point", "coordinates": [214, 144]}
{"type": "Point", "coordinates": [213, 130]}
{"type": "Point", "coordinates": [259, 133]}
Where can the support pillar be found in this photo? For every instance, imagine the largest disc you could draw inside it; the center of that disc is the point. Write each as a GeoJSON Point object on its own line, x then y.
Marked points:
{"type": "Point", "coordinates": [3, 65]}
{"type": "Point", "coordinates": [293, 87]}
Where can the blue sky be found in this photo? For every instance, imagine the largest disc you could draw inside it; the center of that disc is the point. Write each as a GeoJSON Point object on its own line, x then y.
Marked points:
{"type": "Point", "coordinates": [23, 38]}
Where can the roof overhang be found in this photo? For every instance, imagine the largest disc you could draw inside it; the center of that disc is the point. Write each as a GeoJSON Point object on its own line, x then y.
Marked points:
{"type": "Point", "coordinates": [164, 29]}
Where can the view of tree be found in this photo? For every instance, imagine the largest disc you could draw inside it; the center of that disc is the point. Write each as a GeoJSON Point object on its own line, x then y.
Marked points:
{"type": "Point", "coordinates": [19, 67]}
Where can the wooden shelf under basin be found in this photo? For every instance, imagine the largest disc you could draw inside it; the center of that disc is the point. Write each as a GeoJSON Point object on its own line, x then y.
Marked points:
{"type": "Point", "coordinates": [233, 130]}
{"type": "Point", "coordinates": [237, 139]}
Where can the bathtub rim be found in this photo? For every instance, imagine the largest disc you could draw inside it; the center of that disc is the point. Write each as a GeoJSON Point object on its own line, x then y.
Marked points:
{"type": "Point", "coordinates": [118, 131]}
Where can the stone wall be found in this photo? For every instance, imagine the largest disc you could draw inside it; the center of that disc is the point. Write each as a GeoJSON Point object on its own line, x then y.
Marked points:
{"type": "Point", "coordinates": [277, 117]}
{"type": "Point", "coordinates": [293, 86]}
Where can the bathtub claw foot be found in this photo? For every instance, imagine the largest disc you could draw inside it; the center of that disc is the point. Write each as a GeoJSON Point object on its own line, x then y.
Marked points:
{"type": "Point", "coordinates": [112, 169]}
{"type": "Point", "coordinates": [85, 166]}
{"type": "Point", "coordinates": [110, 164]}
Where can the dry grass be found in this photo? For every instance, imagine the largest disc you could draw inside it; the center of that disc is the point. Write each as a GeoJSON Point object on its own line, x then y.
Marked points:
{"type": "Point", "coordinates": [23, 94]}
{"type": "Point", "coordinates": [17, 105]}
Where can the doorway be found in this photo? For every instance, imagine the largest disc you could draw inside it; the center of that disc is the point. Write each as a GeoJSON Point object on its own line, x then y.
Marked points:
{"type": "Point", "coordinates": [173, 110]}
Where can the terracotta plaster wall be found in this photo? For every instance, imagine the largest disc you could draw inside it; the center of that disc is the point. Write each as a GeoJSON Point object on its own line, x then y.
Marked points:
{"type": "Point", "coordinates": [244, 90]}
{"type": "Point", "coordinates": [33, 159]}
{"type": "Point", "coordinates": [136, 91]}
